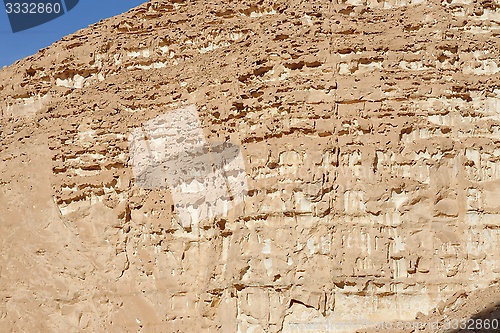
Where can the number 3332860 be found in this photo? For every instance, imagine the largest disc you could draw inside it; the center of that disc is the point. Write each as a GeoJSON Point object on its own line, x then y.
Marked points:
{"type": "Point", "coordinates": [32, 8]}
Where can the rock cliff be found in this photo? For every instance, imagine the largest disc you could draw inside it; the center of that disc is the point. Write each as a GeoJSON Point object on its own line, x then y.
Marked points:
{"type": "Point", "coordinates": [365, 134]}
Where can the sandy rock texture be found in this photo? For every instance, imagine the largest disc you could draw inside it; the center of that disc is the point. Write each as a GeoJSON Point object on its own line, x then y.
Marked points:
{"type": "Point", "coordinates": [370, 136]}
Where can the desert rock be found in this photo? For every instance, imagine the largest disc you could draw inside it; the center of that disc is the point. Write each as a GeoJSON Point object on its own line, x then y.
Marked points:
{"type": "Point", "coordinates": [365, 141]}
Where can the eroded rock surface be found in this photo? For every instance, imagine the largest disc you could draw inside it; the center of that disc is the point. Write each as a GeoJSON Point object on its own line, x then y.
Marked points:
{"type": "Point", "coordinates": [370, 135]}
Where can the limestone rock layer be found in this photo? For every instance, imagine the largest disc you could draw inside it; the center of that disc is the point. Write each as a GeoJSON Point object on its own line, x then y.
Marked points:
{"type": "Point", "coordinates": [369, 133]}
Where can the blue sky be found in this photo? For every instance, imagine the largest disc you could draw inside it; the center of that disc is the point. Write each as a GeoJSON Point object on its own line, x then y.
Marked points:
{"type": "Point", "coordinates": [15, 46]}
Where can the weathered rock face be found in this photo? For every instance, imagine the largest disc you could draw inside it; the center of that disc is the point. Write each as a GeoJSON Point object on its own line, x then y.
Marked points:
{"type": "Point", "coordinates": [370, 138]}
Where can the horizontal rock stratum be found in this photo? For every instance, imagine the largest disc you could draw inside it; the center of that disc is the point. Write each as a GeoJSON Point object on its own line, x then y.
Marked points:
{"type": "Point", "coordinates": [271, 166]}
